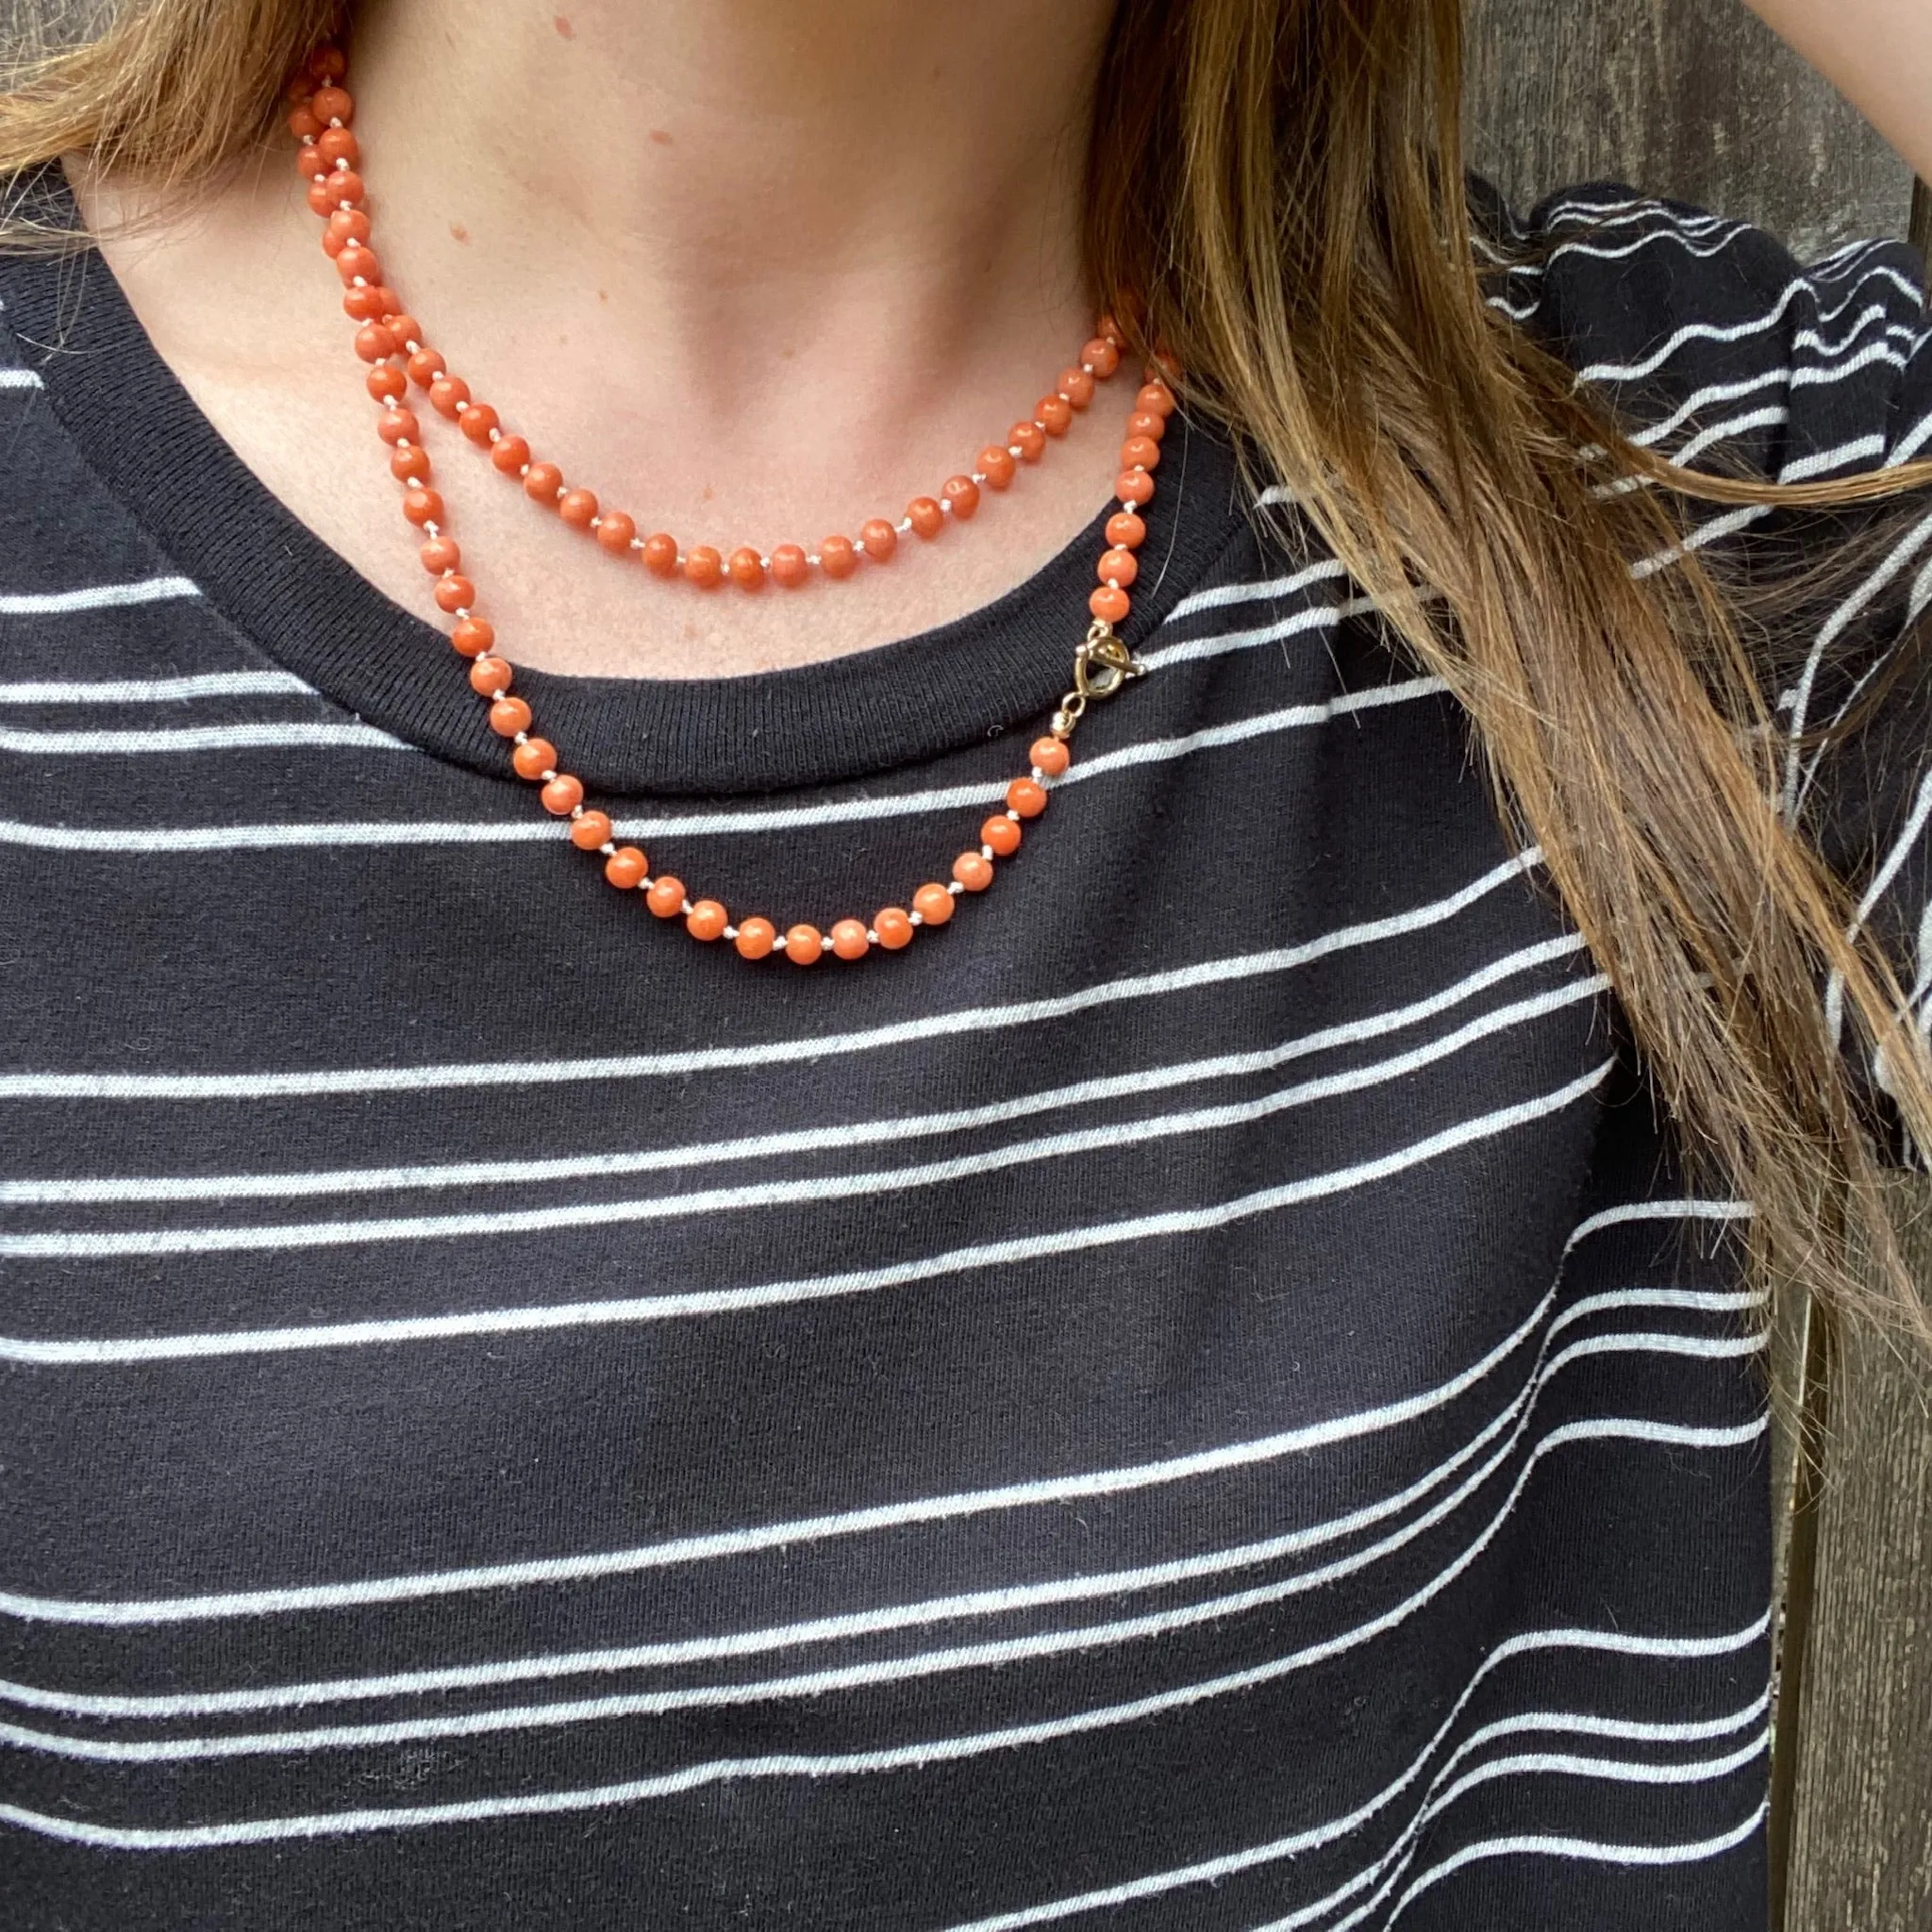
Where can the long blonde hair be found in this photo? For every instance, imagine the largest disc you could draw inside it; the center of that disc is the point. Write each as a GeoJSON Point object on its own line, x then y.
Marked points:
{"type": "Point", "coordinates": [1277, 199]}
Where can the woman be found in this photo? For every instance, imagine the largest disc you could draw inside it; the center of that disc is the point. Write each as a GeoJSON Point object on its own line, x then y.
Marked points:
{"type": "Point", "coordinates": [1211, 1380]}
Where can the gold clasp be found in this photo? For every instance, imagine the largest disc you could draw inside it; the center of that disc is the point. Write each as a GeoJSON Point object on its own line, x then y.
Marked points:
{"type": "Point", "coordinates": [1102, 666]}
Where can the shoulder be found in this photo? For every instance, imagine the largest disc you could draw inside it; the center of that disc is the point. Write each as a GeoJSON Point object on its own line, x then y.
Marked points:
{"type": "Point", "coordinates": [1701, 330]}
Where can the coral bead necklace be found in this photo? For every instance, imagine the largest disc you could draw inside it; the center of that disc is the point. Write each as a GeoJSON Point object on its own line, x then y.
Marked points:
{"type": "Point", "coordinates": [392, 342]}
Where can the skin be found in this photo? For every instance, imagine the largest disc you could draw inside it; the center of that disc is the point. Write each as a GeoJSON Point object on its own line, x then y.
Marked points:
{"type": "Point", "coordinates": [754, 271]}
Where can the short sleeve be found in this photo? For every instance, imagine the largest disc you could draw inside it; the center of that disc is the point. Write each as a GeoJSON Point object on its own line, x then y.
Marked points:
{"type": "Point", "coordinates": [1716, 347]}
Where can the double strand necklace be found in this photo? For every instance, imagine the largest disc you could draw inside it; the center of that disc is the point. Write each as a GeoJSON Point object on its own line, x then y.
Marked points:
{"type": "Point", "coordinates": [391, 340]}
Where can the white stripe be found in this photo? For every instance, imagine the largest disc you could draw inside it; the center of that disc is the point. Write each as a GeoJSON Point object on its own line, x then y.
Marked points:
{"type": "Point", "coordinates": [1861, 449]}
{"type": "Point", "coordinates": [1311, 617]}
{"type": "Point", "coordinates": [1593, 1850]}
{"type": "Point", "coordinates": [1909, 444]}
{"type": "Point", "coordinates": [101, 1351]}
{"type": "Point", "coordinates": [767, 1052]}
{"type": "Point", "coordinates": [97, 1243]}
{"type": "Point", "coordinates": [154, 690]}
{"type": "Point", "coordinates": [994, 1602]}
{"type": "Point", "coordinates": [736, 1542]}
{"type": "Point", "coordinates": [95, 597]}
{"type": "Point", "coordinates": [1696, 401]}
{"type": "Point", "coordinates": [188, 738]}
{"type": "Point", "coordinates": [19, 378]}
{"type": "Point", "coordinates": [985, 1603]}
{"type": "Point", "coordinates": [1834, 627]}
{"type": "Point", "coordinates": [741, 822]}
{"type": "Point", "coordinates": [1881, 883]}
{"type": "Point", "coordinates": [1741, 331]}
{"type": "Point", "coordinates": [1223, 594]}
{"type": "Point", "coordinates": [1209, 1872]}
{"type": "Point", "coordinates": [1726, 526]}
{"type": "Point", "coordinates": [906, 1757]}
{"type": "Point", "coordinates": [984, 1654]}
{"type": "Point", "coordinates": [1770, 417]}
{"type": "Point", "coordinates": [844, 1135]}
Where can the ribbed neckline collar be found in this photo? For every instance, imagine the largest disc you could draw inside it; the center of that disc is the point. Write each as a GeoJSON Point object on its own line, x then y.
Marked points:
{"type": "Point", "coordinates": [995, 670]}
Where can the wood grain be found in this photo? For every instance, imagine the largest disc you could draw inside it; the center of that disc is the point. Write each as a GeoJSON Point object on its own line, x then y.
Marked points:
{"type": "Point", "coordinates": [1862, 1821]}
{"type": "Point", "coordinates": [1692, 98]}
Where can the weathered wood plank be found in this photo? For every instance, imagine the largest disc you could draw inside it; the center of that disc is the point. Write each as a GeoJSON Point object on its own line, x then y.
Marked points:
{"type": "Point", "coordinates": [1861, 1830]}
{"type": "Point", "coordinates": [1694, 98]}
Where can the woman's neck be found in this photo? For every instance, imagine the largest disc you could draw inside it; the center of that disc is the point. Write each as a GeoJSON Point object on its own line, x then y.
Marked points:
{"type": "Point", "coordinates": [754, 270]}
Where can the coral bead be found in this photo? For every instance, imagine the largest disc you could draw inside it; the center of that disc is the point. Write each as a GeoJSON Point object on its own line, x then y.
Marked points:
{"type": "Point", "coordinates": [974, 871]}
{"type": "Point", "coordinates": [303, 124]}
{"type": "Point", "coordinates": [789, 566]}
{"type": "Point", "coordinates": [666, 897]}
{"type": "Point", "coordinates": [425, 366]}
{"type": "Point", "coordinates": [325, 193]}
{"type": "Point", "coordinates": [1140, 453]}
{"type": "Point", "coordinates": [446, 391]}
{"type": "Point", "coordinates": [398, 425]}
{"type": "Point", "coordinates": [440, 555]}
{"type": "Point", "coordinates": [591, 831]}
{"type": "Point", "coordinates": [1110, 606]}
{"type": "Point", "coordinates": [707, 921]}
{"type": "Point", "coordinates": [1001, 835]}
{"type": "Point", "coordinates": [747, 568]}
{"type": "Point", "coordinates": [332, 103]}
{"type": "Point", "coordinates": [364, 304]}
{"type": "Point", "coordinates": [357, 263]}
{"type": "Point", "coordinates": [660, 554]}
{"type": "Point", "coordinates": [454, 594]}
{"type": "Point", "coordinates": [1118, 567]}
{"type": "Point", "coordinates": [543, 483]}
{"type": "Point", "coordinates": [1134, 486]}
{"type": "Point", "coordinates": [1101, 356]}
{"type": "Point", "coordinates": [477, 422]}
{"type": "Point", "coordinates": [1029, 439]}
{"type": "Point", "coordinates": [933, 903]}
{"type": "Point", "coordinates": [533, 758]}
{"type": "Point", "coordinates": [838, 558]}
{"type": "Point", "coordinates": [326, 64]}
{"type": "Point", "coordinates": [345, 226]}
{"type": "Point", "coordinates": [507, 716]}
{"type": "Point", "coordinates": [1076, 386]}
{"type": "Point", "coordinates": [1125, 531]}
{"type": "Point", "coordinates": [309, 163]}
{"type": "Point", "coordinates": [405, 328]}
{"type": "Point", "coordinates": [1144, 423]}
{"type": "Point", "coordinates": [615, 531]}
{"type": "Point", "coordinates": [489, 677]}
{"type": "Point", "coordinates": [576, 508]}
{"type": "Point", "coordinates": [1051, 756]}
{"type": "Point", "coordinates": [510, 454]}
{"type": "Point", "coordinates": [374, 343]}
{"type": "Point", "coordinates": [879, 537]}
{"type": "Point", "coordinates": [996, 463]}
{"type": "Point", "coordinates": [926, 517]}
{"type": "Point", "coordinates": [849, 941]}
{"type": "Point", "coordinates": [1155, 399]}
{"type": "Point", "coordinates": [385, 385]}
{"type": "Point", "coordinates": [337, 144]}
{"type": "Point", "coordinates": [562, 796]}
{"type": "Point", "coordinates": [756, 938]}
{"type": "Point", "coordinates": [802, 946]}
{"type": "Point", "coordinates": [962, 492]}
{"type": "Point", "coordinates": [893, 928]}
{"type": "Point", "coordinates": [472, 637]}
{"type": "Point", "coordinates": [423, 506]}
{"type": "Point", "coordinates": [703, 566]}
{"type": "Point", "coordinates": [1054, 414]}
{"type": "Point", "coordinates": [625, 867]}
{"type": "Point", "coordinates": [1028, 797]}
{"type": "Point", "coordinates": [409, 465]}
{"type": "Point", "coordinates": [1111, 331]}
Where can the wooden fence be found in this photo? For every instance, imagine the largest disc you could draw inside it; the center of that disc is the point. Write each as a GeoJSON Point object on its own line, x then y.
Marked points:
{"type": "Point", "coordinates": [1696, 99]}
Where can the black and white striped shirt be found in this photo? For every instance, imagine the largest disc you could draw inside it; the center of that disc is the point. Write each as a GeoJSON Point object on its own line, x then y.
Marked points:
{"type": "Point", "coordinates": [1195, 1397]}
